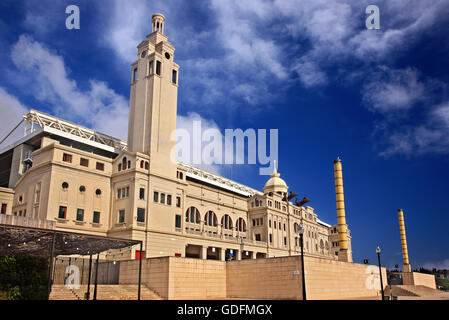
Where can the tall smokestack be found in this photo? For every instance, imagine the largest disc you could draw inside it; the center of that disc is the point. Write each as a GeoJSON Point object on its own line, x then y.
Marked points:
{"type": "Point", "coordinates": [407, 267]}
{"type": "Point", "coordinates": [341, 215]}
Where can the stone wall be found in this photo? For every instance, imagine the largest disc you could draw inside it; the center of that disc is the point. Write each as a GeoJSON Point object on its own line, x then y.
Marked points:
{"type": "Point", "coordinates": [419, 279]}
{"type": "Point", "coordinates": [197, 279]}
{"type": "Point", "coordinates": [328, 279]}
{"type": "Point", "coordinates": [155, 274]}
{"type": "Point", "coordinates": [272, 278]}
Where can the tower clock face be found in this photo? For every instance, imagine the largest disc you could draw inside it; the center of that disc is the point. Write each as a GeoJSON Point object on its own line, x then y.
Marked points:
{"type": "Point", "coordinates": [167, 55]}
{"type": "Point", "coordinates": [143, 55]}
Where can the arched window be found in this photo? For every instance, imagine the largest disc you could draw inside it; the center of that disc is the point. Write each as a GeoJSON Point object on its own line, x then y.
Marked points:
{"type": "Point", "coordinates": [321, 244]}
{"type": "Point", "coordinates": [119, 167]}
{"type": "Point", "coordinates": [146, 165]}
{"type": "Point", "coordinates": [210, 219]}
{"type": "Point", "coordinates": [124, 163]}
{"type": "Point", "coordinates": [241, 225]}
{"type": "Point", "coordinates": [296, 227]}
{"type": "Point", "coordinates": [327, 245]}
{"type": "Point", "coordinates": [193, 215]}
{"type": "Point", "coordinates": [226, 222]}
{"type": "Point", "coordinates": [141, 164]}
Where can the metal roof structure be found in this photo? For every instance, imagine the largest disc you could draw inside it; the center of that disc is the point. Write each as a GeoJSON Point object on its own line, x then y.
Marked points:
{"type": "Point", "coordinates": [219, 181]}
{"type": "Point", "coordinates": [18, 240]}
{"type": "Point", "coordinates": [37, 122]}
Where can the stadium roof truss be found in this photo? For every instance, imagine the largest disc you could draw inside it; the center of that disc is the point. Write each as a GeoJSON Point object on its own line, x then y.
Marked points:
{"type": "Point", "coordinates": [86, 135]}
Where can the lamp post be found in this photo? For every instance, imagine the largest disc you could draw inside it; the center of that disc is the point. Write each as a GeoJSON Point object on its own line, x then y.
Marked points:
{"type": "Point", "coordinates": [301, 233]}
{"type": "Point", "coordinates": [380, 272]}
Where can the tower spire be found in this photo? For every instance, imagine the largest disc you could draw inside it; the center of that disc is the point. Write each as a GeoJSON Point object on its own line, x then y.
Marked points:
{"type": "Point", "coordinates": [275, 172]}
{"type": "Point", "coordinates": [157, 21]}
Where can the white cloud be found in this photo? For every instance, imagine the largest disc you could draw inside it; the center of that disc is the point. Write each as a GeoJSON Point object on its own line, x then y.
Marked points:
{"type": "Point", "coordinates": [11, 114]}
{"type": "Point", "coordinates": [99, 107]}
{"type": "Point", "coordinates": [250, 38]}
{"type": "Point", "coordinates": [186, 123]}
{"type": "Point", "coordinates": [392, 90]}
{"type": "Point", "coordinates": [310, 74]}
{"type": "Point", "coordinates": [430, 135]}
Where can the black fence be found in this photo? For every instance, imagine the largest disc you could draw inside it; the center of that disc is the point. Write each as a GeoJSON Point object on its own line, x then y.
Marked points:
{"type": "Point", "coordinates": [65, 268]}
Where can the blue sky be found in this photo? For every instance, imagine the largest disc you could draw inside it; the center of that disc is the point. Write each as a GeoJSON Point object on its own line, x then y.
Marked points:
{"type": "Point", "coordinates": [379, 99]}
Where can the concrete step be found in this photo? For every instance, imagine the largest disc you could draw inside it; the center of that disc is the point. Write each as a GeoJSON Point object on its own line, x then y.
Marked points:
{"type": "Point", "coordinates": [104, 292]}
{"type": "Point", "coordinates": [422, 291]}
{"type": "Point", "coordinates": [411, 291]}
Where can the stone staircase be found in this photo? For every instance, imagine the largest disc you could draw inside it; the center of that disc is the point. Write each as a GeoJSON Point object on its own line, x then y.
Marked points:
{"type": "Point", "coordinates": [411, 291]}
{"type": "Point", "coordinates": [104, 292]}
{"type": "Point", "coordinates": [60, 292]}
{"type": "Point", "coordinates": [422, 291]}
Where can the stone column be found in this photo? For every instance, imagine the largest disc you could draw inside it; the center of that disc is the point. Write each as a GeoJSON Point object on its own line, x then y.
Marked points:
{"type": "Point", "coordinates": [222, 254]}
{"type": "Point", "coordinates": [239, 254]}
{"type": "Point", "coordinates": [254, 255]}
{"type": "Point", "coordinates": [204, 252]}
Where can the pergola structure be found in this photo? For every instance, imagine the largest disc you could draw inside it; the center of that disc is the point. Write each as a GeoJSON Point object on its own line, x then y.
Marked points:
{"type": "Point", "coordinates": [48, 243]}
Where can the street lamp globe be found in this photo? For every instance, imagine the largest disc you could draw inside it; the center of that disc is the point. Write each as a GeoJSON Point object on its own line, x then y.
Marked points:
{"type": "Point", "coordinates": [301, 229]}
{"type": "Point", "coordinates": [377, 249]}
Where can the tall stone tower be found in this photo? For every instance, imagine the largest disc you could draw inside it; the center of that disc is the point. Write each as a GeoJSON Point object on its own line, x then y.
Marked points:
{"type": "Point", "coordinates": [342, 227]}
{"type": "Point", "coordinates": [407, 266]}
{"type": "Point", "coordinates": [153, 100]}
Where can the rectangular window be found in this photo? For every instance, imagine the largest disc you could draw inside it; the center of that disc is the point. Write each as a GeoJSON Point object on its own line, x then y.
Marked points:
{"type": "Point", "coordinates": [173, 77]}
{"type": "Point", "coordinates": [285, 241]}
{"type": "Point", "coordinates": [67, 157]}
{"type": "Point", "coordinates": [127, 192]}
{"type": "Point", "coordinates": [140, 215]}
{"type": "Point", "coordinates": [178, 202]}
{"type": "Point", "coordinates": [84, 162]}
{"type": "Point", "coordinates": [151, 67]}
{"type": "Point", "coordinates": [119, 193]}
{"type": "Point", "coordinates": [4, 206]}
{"type": "Point", "coordinates": [156, 196]}
{"type": "Point", "coordinates": [169, 199]}
{"type": "Point", "coordinates": [135, 75]}
{"type": "Point", "coordinates": [62, 212]}
{"type": "Point", "coordinates": [100, 166]}
{"type": "Point", "coordinates": [163, 198]}
{"type": "Point", "coordinates": [257, 237]}
{"type": "Point", "coordinates": [121, 216]}
{"type": "Point", "coordinates": [79, 214]}
{"type": "Point", "coordinates": [271, 238]}
{"type": "Point", "coordinates": [178, 221]}
{"type": "Point", "coordinates": [96, 218]}
{"type": "Point", "coordinates": [158, 68]}
{"type": "Point", "coordinates": [254, 222]}
{"type": "Point", "coordinates": [141, 193]}
{"type": "Point", "coordinates": [25, 212]}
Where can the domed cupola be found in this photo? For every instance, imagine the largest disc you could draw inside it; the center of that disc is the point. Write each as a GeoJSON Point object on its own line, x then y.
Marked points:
{"type": "Point", "coordinates": [275, 184]}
